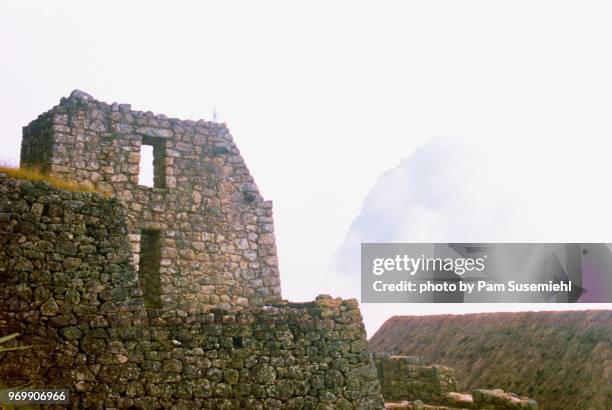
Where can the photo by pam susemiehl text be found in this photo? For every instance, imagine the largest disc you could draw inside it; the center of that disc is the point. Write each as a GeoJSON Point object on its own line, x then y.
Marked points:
{"type": "Point", "coordinates": [479, 286]}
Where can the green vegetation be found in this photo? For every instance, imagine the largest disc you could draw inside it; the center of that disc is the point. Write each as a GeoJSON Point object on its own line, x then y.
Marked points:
{"type": "Point", "coordinates": [33, 174]}
{"type": "Point", "coordinates": [5, 339]}
{"type": "Point", "coordinates": [3, 391]}
{"type": "Point", "coordinates": [560, 359]}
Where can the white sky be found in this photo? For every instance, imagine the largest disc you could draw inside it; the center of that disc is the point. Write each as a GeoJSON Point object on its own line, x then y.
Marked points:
{"type": "Point", "coordinates": [323, 97]}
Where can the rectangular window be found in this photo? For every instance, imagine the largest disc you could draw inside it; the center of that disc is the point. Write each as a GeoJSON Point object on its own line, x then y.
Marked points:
{"type": "Point", "coordinates": [153, 162]}
{"type": "Point", "coordinates": [148, 268]}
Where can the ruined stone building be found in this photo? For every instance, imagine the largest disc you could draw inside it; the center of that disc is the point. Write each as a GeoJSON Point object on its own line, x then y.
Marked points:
{"type": "Point", "coordinates": [204, 232]}
{"type": "Point", "coordinates": [202, 236]}
{"type": "Point", "coordinates": [165, 296]}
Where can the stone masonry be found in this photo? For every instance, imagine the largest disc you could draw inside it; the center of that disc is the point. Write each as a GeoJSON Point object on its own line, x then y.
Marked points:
{"type": "Point", "coordinates": [210, 331]}
{"type": "Point", "coordinates": [408, 383]}
{"type": "Point", "coordinates": [408, 378]}
{"type": "Point", "coordinates": [211, 231]}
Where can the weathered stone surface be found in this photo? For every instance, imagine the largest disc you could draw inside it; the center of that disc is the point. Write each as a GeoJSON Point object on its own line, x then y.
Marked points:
{"type": "Point", "coordinates": [197, 208]}
{"type": "Point", "coordinates": [557, 358]}
{"type": "Point", "coordinates": [408, 383]}
{"type": "Point", "coordinates": [499, 399]}
{"type": "Point", "coordinates": [406, 378]}
{"type": "Point", "coordinates": [461, 400]}
{"type": "Point", "coordinates": [221, 338]}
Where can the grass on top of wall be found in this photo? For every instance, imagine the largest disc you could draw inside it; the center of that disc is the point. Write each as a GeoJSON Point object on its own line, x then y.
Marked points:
{"type": "Point", "coordinates": [33, 174]}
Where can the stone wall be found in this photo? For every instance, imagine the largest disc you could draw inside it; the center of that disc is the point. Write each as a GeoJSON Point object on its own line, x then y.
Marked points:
{"type": "Point", "coordinates": [216, 231]}
{"type": "Point", "coordinates": [560, 359]}
{"type": "Point", "coordinates": [68, 286]}
{"type": "Point", "coordinates": [408, 378]}
{"type": "Point", "coordinates": [408, 383]}
{"type": "Point", "coordinates": [62, 254]}
{"type": "Point", "coordinates": [37, 143]}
